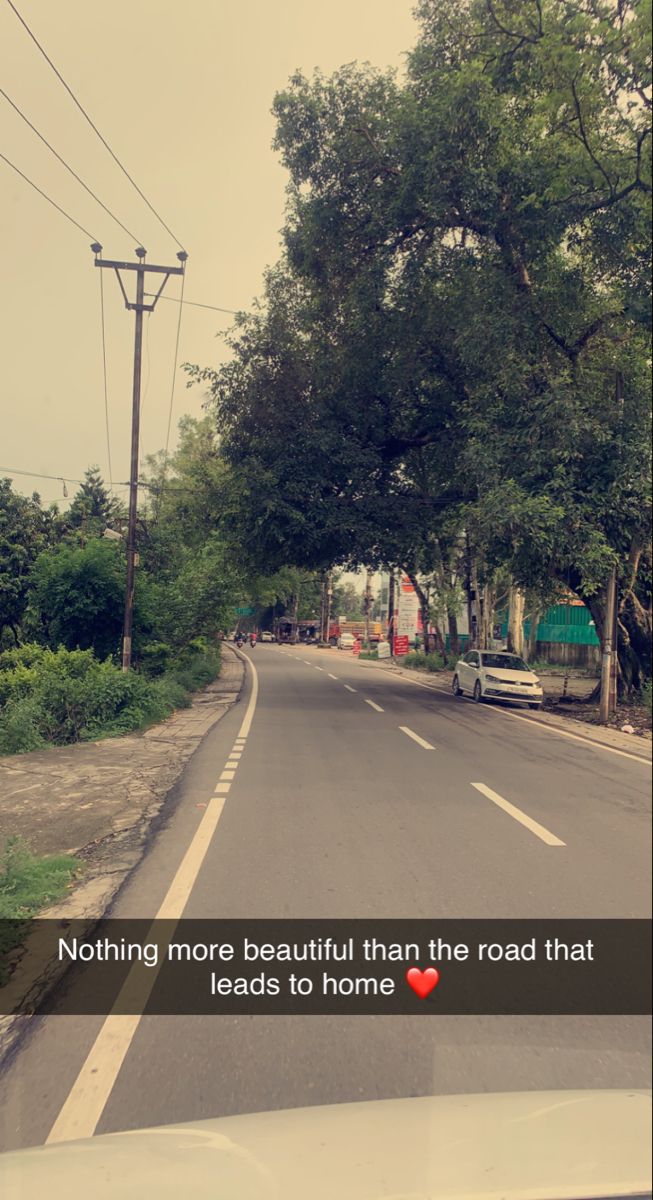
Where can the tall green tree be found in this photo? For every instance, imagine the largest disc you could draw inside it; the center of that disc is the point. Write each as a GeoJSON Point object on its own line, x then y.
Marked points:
{"type": "Point", "coordinates": [25, 530]}
{"type": "Point", "coordinates": [93, 509]}
{"type": "Point", "coordinates": [457, 337]}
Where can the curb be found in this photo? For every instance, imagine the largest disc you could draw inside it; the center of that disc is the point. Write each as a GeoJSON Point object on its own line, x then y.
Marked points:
{"type": "Point", "coordinates": [37, 973]}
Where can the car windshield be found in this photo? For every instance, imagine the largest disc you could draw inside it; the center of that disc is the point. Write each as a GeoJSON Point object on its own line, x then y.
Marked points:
{"type": "Point", "coordinates": [509, 662]}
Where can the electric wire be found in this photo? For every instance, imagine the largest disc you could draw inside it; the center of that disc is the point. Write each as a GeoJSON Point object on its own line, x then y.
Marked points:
{"type": "Point", "coordinates": [195, 304]}
{"type": "Point", "coordinates": [104, 373]}
{"type": "Point", "coordinates": [46, 197]}
{"type": "Point", "coordinates": [93, 125]}
{"type": "Point", "coordinates": [70, 170]}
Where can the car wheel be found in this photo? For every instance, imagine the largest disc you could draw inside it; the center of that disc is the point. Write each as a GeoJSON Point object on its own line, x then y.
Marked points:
{"type": "Point", "coordinates": [478, 694]}
{"type": "Point", "coordinates": [455, 687]}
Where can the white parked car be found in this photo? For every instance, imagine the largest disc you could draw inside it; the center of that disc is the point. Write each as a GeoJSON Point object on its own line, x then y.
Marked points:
{"type": "Point", "coordinates": [496, 675]}
{"type": "Point", "coordinates": [346, 641]}
{"type": "Point", "coordinates": [266, 636]}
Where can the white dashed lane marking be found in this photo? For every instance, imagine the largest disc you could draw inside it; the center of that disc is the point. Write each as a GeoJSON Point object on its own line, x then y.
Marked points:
{"type": "Point", "coordinates": [416, 738]}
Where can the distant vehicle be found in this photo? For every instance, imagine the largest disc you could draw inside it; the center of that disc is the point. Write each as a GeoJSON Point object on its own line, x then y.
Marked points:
{"type": "Point", "coordinates": [493, 675]}
{"type": "Point", "coordinates": [266, 636]}
{"type": "Point", "coordinates": [346, 641]}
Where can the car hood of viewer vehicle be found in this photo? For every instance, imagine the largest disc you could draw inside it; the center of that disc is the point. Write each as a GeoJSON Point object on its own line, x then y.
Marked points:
{"type": "Point", "coordinates": [513, 1146]}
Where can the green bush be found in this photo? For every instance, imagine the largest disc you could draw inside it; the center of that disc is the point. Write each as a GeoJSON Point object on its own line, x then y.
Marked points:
{"type": "Point", "coordinates": [417, 660]}
{"type": "Point", "coordinates": [154, 658]}
{"type": "Point", "coordinates": [67, 696]}
{"type": "Point", "coordinates": [647, 698]}
{"type": "Point", "coordinates": [369, 654]}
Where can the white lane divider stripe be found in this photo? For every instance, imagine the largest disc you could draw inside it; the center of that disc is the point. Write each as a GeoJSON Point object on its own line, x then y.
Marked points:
{"type": "Point", "coordinates": [319, 668]}
{"type": "Point", "coordinates": [331, 676]}
{"type": "Point", "coordinates": [89, 1093]}
{"type": "Point", "coordinates": [350, 689]}
{"type": "Point", "coordinates": [227, 775]}
{"type": "Point", "coordinates": [518, 815]}
{"type": "Point", "coordinates": [416, 738]}
{"type": "Point", "coordinates": [221, 789]}
{"type": "Point", "coordinates": [376, 707]}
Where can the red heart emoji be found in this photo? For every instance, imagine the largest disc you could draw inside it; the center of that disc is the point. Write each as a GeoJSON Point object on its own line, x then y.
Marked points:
{"type": "Point", "coordinates": [423, 982]}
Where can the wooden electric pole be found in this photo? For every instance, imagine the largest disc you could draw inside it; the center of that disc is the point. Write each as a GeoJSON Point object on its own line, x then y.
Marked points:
{"type": "Point", "coordinates": [138, 307]}
{"type": "Point", "coordinates": [607, 702]}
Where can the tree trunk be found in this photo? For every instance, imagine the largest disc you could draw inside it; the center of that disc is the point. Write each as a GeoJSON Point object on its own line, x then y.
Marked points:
{"type": "Point", "coordinates": [516, 621]}
{"type": "Point", "coordinates": [424, 609]}
{"type": "Point", "coordinates": [454, 643]}
{"type": "Point", "coordinates": [531, 647]}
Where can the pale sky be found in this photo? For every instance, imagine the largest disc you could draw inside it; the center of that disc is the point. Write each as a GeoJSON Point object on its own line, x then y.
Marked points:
{"type": "Point", "coordinates": [182, 91]}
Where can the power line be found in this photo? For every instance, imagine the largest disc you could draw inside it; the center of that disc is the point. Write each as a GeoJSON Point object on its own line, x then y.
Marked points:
{"type": "Point", "coordinates": [174, 370]}
{"type": "Point", "coordinates": [104, 372]}
{"type": "Point", "coordinates": [194, 304]}
{"type": "Point", "coordinates": [43, 475]}
{"type": "Point", "coordinates": [92, 124]}
{"type": "Point", "coordinates": [63, 162]}
{"type": "Point", "coordinates": [46, 197]}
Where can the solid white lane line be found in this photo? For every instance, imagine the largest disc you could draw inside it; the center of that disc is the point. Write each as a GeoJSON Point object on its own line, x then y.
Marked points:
{"type": "Point", "coordinates": [416, 738]}
{"type": "Point", "coordinates": [350, 689]}
{"type": "Point", "coordinates": [330, 677]}
{"type": "Point", "coordinates": [576, 737]}
{"type": "Point", "coordinates": [540, 726]}
{"type": "Point", "coordinates": [376, 707]}
{"type": "Point", "coordinates": [528, 822]}
{"type": "Point", "coordinates": [89, 1093]}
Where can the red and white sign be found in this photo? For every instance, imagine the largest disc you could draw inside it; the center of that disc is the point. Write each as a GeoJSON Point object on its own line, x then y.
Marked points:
{"type": "Point", "coordinates": [356, 648]}
{"type": "Point", "coordinates": [409, 612]}
{"type": "Point", "coordinates": [401, 644]}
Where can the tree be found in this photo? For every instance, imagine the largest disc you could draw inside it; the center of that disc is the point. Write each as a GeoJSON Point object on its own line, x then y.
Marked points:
{"type": "Point", "coordinates": [77, 597]}
{"type": "Point", "coordinates": [457, 336]}
{"type": "Point", "coordinates": [25, 530]}
{"type": "Point", "coordinates": [92, 509]}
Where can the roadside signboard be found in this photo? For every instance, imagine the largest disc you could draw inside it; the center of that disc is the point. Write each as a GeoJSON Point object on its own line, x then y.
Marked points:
{"type": "Point", "coordinates": [245, 610]}
{"type": "Point", "coordinates": [408, 615]}
{"type": "Point", "coordinates": [401, 644]}
{"type": "Point", "coordinates": [383, 650]}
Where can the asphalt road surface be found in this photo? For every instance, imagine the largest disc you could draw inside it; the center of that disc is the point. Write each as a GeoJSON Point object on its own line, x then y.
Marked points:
{"type": "Point", "coordinates": [350, 793]}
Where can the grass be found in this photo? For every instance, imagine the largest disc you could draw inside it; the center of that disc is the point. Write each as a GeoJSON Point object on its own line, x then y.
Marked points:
{"type": "Point", "coordinates": [417, 660]}
{"type": "Point", "coordinates": [27, 885]}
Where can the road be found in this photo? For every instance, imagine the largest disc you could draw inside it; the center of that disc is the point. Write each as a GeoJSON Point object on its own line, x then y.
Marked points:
{"type": "Point", "coordinates": [353, 795]}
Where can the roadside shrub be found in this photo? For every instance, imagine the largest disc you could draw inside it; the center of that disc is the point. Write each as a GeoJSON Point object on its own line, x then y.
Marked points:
{"type": "Point", "coordinates": [154, 658]}
{"type": "Point", "coordinates": [19, 728]}
{"type": "Point", "coordinates": [647, 698]}
{"type": "Point", "coordinates": [417, 660]}
{"type": "Point", "coordinates": [68, 696]}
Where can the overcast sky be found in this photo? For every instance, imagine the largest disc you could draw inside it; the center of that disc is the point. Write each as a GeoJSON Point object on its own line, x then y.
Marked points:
{"type": "Point", "coordinates": [182, 91]}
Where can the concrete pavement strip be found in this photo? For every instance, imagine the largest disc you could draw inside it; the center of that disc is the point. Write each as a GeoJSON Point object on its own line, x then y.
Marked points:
{"type": "Point", "coordinates": [97, 800]}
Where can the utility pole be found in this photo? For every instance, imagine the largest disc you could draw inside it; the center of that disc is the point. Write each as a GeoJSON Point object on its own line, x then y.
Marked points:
{"type": "Point", "coordinates": [367, 606]}
{"type": "Point", "coordinates": [139, 307]}
{"type": "Point", "coordinates": [607, 700]}
{"type": "Point", "coordinates": [327, 605]}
